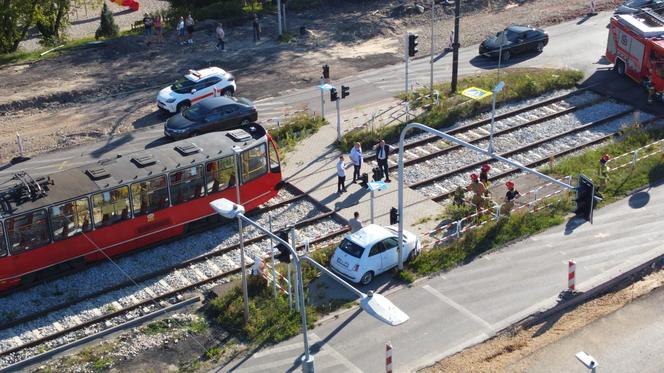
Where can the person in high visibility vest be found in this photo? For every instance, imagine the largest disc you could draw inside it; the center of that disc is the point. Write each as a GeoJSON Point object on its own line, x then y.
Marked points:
{"type": "Point", "coordinates": [510, 196]}
{"type": "Point", "coordinates": [478, 189]}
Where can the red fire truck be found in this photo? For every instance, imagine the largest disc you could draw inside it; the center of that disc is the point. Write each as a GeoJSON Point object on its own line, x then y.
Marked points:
{"type": "Point", "coordinates": [636, 49]}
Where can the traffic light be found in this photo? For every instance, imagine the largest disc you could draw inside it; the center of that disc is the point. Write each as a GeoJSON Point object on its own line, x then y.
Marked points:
{"type": "Point", "coordinates": [585, 198]}
{"type": "Point", "coordinates": [333, 94]}
{"type": "Point", "coordinates": [326, 71]}
{"type": "Point", "coordinates": [412, 44]}
{"type": "Point", "coordinates": [345, 91]}
{"type": "Point", "coordinates": [394, 216]}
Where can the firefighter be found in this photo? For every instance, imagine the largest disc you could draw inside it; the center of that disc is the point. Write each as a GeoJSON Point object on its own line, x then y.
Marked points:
{"type": "Point", "coordinates": [478, 189]}
{"type": "Point", "coordinates": [510, 196]}
{"type": "Point", "coordinates": [603, 171]}
{"type": "Point", "coordinates": [458, 196]}
{"type": "Point", "coordinates": [484, 178]}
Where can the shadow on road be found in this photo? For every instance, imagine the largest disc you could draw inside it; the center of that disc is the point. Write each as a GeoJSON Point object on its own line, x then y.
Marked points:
{"type": "Point", "coordinates": [638, 200]}
{"type": "Point", "coordinates": [572, 224]}
{"type": "Point", "coordinates": [111, 144]}
{"type": "Point", "coordinates": [156, 117]}
{"type": "Point", "coordinates": [487, 63]}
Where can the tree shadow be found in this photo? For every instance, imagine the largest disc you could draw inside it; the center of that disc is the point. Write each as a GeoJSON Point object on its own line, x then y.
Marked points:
{"type": "Point", "coordinates": [112, 144]}
{"type": "Point", "coordinates": [156, 117]}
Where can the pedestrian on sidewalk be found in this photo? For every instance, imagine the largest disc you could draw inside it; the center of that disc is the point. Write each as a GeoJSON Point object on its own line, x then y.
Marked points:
{"type": "Point", "coordinates": [341, 175]}
{"type": "Point", "coordinates": [157, 29]}
{"type": "Point", "coordinates": [257, 29]}
{"type": "Point", "coordinates": [220, 37]}
{"type": "Point", "coordinates": [147, 24]}
{"type": "Point", "coordinates": [478, 190]}
{"type": "Point", "coordinates": [510, 196]}
{"type": "Point", "coordinates": [382, 155]}
{"type": "Point", "coordinates": [355, 223]}
{"type": "Point", "coordinates": [180, 30]}
{"type": "Point", "coordinates": [356, 160]}
{"type": "Point", "coordinates": [189, 25]}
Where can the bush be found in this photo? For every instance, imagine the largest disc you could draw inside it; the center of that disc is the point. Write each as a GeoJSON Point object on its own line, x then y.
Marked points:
{"type": "Point", "coordinates": [297, 128]}
{"type": "Point", "coordinates": [107, 27]}
{"type": "Point", "coordinates": [222, 10]}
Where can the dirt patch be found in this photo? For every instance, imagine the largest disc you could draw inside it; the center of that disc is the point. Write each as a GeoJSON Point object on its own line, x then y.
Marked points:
{"type": "Point", "coordinates": [109, 89]}
{"type": "Point", "coordinates": [504, 351]}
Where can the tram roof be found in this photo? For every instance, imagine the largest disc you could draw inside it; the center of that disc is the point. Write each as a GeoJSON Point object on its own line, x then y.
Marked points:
{"type": "Point", "coordinates": [125, 169]}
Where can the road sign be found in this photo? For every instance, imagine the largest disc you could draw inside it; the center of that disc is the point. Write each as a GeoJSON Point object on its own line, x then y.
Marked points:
{"type": "Point", "coordinates": [476, 93]}
{"type": "Point", "coordinates": [326, 86]}
{"type": "Point", "coordinates": [376, 185]}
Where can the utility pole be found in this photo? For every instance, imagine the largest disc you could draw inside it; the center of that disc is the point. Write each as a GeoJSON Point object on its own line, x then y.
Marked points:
{"type": "Point", "coordinates": [406, 43]}
{"type": "Point", "coordinates": [455, 47]}
{"type": "Point", "coordinates": [433, 15]}
{"type": "Point", "coordinates": [279, 16]}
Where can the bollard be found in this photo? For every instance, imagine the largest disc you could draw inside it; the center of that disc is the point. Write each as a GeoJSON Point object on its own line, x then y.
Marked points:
{"type": "Point", "coordinates": [571, 269]}
{"type": "Point", "coordinates": [388, 357]}
{"type": "Point", "coordinates": [458, 228]}
{"type": "Point", "coordinates": [635, 158]}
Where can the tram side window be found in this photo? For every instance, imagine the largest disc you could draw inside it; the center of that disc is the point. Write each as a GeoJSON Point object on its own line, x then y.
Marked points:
{"type": "Point", "coordinates": [274, 158]}
{"type": "Point", "coordinates": [28, 231]}
{"type": "Point", "coordinates": [70, 219]}
{"type": "Point", "coordinates": [254, 163]}
{"type": "Point", "coordinates": [187, 184]}
{"type": "Point", "coordinates": [111, 206]}
{"type": "Point", "coordinates": [149, 196]}
{"type": "Point", "coordinates": [220, 174]}
{"type": "Point", "coordinates": [3, 244]}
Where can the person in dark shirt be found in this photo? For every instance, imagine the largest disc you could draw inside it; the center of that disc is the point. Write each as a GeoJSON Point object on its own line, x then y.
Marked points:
{"type": "Point", "coordinates": [510, 196]}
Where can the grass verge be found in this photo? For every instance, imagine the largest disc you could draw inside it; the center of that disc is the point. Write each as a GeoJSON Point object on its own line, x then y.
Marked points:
{"type": "Point", "coordinates": [297, 128]}
{"type": "Point", "coordinates": [519, 84]}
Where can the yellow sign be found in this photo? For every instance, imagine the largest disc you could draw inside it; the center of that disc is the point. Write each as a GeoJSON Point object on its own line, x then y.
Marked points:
{"type": "Point", "coordinates": [476, 93]}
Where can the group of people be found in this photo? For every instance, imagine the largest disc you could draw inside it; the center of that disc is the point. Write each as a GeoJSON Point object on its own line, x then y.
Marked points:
{"type": "Point", "coordinates": [150, 23]}
{"type": "Point", "coordinates": [357, 159]}
{"type": "Point", "coordinates": [479, 186]}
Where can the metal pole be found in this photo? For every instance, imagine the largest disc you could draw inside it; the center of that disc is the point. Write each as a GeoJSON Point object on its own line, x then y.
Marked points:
{"type": "Point", "coordinates": [245, 292]}
{"type": "Point", "coordinates": [279, 16]}
{"type": "Point", "coordinates": [493, 117]}
{"type": "Point", "coordinates": [274, 271]}
{"type": "Point", "coordinates": [406, 62]}
{"type": "Point", "coordinates": [308, 359]}
{"type": "Point", "coordinates": [455, 47]}
{"type": "Point", "coordinates": [284, 18]}
{"type": "Point", "coordinates": [290, 287]}
{"type": "Point", "coordinates": [322, 98]}
{"type": "Point", "coordinates": [433, 14]}
{"type": "Point", "coordinates": [296, 279]}
{"type": "Point", "coordinates": [338, 121]}
{"type": "Point", "coordinates": [372, 206]}
{"type": "Point", "coordinates": [500, 53]}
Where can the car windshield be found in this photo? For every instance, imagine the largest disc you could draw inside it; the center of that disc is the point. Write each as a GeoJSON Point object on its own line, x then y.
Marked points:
{"type": "Point", "coordinates": [182, 85]}
{"type": "Point", "coordinates": [195, 113]}
{"type": "Point", "coordinates": [351, 248]}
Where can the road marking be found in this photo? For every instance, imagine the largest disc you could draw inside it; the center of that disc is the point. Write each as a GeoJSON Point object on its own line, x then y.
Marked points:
{"type": "Point", "coordinates": [62, 165]}
{"type": "Point", "coordinates": [337, 355]}
{"type": "Point", "coordinates": [276, 350]}
{"type": "Point", "coordinates": [458, 307]}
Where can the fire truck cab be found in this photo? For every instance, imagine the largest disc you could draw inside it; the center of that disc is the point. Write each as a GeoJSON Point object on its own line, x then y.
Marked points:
{"type": "Point", "coordinates": [636, 48]}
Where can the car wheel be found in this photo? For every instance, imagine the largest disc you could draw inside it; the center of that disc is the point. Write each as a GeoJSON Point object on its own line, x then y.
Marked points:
{"type": "Point", "coordinates": [367, 278]}
{"type": "Point", "coordinates": [540, 47]}
{"type": "Point", "coordinates": [506, 56]}
{"type": "Point", "coordinates": [184, 105]}
{"type": "Point", "coordinates": [228, 92]}
{"type": "Point", "coordinates": [413, 254]}
{"type": "Point", "coordinates": [619, 67]}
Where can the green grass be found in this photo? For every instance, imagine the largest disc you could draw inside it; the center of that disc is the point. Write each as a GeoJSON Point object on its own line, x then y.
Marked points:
{"type": "Point", "coordinates": [294, 130]}
{"type": "Point", "coordinates": [157, 327]}
{"type": "Point", "coordinates": [199, 326]}
{"type": "Point", "coordinates": [519, 84]}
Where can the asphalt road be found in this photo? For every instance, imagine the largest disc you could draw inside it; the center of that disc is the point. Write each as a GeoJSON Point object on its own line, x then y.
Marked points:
{"type": "Point", "coordinates": [571, 44]}
{"type": "Point", "coordinates": [471, 303]}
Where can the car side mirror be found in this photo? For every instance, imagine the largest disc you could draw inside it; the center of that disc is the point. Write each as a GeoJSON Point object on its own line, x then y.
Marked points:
{"type": "Point", "coordinates": [193, 90]}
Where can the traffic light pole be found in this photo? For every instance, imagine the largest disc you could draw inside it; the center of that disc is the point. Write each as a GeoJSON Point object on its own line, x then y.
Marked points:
{"type": "Point", "coordinates": [338, 121]}
{"type": "Point", "coordinates": [322, 98]}
{"type": "Point", "coordinates": [455, 46]}
{"type": "Point", "coordinates": [433, 17]}
{"type": "Point", "coordinates": [279, 16]}
{"type": "Point", "coordinates": [406, 45]}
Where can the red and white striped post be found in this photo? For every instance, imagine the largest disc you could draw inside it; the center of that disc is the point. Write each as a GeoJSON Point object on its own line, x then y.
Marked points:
{"type": "Point", "coordinates": [571, 269]}
{"type": "Point", "coordinates": [388, 357]}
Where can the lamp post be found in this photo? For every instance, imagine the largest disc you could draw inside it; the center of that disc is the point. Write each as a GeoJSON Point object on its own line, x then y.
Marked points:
{"type": "Point", "coordinates": [499, 87]}
{"type": "Point", "coordinates": [245, 291]}
{"type": "Point", "coordinates": [375, 304]}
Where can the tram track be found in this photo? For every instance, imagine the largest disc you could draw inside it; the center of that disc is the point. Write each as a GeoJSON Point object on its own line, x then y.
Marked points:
{"type": "Point", "coordinates": [167, 296]}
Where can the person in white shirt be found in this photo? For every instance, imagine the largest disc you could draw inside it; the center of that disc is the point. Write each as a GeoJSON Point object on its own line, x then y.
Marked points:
{"type": "Point", "coordinates": [341, 175]}
{"type": "Point", "coordinates": [356, 160]}
{"type": "Point", "coordinates": [355, 223]}
{"type": "Point", "coordinates": [180, 28]}
{"type": "Point", "coordinates": [220, 37]}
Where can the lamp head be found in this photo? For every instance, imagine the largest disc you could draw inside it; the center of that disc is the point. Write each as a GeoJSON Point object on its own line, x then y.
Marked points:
{"type": "Point", "coordinates": [226, 208]}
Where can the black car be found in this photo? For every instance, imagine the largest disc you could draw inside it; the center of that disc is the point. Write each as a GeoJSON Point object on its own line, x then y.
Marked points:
{"type": "Point", "coordinates": [514, 40]}
{"type": "Point", "coordinates": [213, 114]}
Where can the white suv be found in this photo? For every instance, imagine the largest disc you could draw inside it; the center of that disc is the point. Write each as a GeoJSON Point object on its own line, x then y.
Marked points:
{"type": "Point", "coordinates": [194, 87]}
{"type": "Point", "coordinates": [371, 251]}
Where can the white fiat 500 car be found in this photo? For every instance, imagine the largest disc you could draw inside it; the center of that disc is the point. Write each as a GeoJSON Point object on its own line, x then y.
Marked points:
{"type": "Point", "coordinates": [371, 251]}
{"type": "Point", "coordinates": [197, 85]}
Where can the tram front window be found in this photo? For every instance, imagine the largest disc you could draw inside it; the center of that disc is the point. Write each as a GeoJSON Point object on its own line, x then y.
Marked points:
{"type": "Point", "coordinates": [254, 163]}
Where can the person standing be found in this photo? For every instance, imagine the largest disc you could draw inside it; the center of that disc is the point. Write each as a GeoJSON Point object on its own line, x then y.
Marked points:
{"type": "Point", "coordinates": [382, 155]}
{"type": "Point", "coordinates": [603, 171]}
{"type": "Point", "coordinates": [510, 196]}
{"type": "Point", "coordinates": [341, 175]}
{"type": "Point", "coordinates": [220, 37]}
{"type": "Point", "coordinates": [356, 160]}
{"type": "Point", "coordinates": [484, 178]}
{"type": "Point", "coordinates": [157, 28]}
{"type": "Point", "coordinates": [355, 223]}
{"type": "Point", "coordinates": [257, 29]}
{"type": "Point", "coordinates": [478, 190]}
{"type": "Point", "coordinates": [189, 25]}
{"type": "Point", "coordinates": [147, 23]}
{"type": "Point", "coordinates": [180, 30]}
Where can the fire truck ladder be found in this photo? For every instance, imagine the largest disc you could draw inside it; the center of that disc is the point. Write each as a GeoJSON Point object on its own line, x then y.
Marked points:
{"type": "Point", "coordinates": [655, 17]}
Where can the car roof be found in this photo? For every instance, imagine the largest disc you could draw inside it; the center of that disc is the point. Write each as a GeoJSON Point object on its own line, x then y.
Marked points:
{"type": "Point", "coordinates": [519, 28]}
{"type": "Point", "coordinates": [370, 234]}
{"type": "Point", "coordinates": [215, 102]}
{"type": "Point", "coordinates": [196, 75]}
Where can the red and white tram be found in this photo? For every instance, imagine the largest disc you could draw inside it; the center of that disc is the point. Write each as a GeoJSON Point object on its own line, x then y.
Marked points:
{"type": "Point", "coordinates": [120, 204]}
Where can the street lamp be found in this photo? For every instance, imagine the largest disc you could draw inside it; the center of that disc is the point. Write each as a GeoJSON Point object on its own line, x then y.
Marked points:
{"type": "Point", "coordinates": [375, 304]}
{"type": "Point", "coordinates": [499, 87]}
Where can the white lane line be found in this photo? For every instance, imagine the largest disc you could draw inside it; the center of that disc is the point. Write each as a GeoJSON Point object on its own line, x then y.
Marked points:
{"type": "Point", "coordinates": [277, 350]}
{"type": "Point", "coordinates": [458, 307]}
{"type": "Point", "coordinates": [337, 355]}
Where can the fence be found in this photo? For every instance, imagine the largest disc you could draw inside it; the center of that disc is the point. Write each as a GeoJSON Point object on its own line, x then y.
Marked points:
{"type": "Point", "coordinates": [630, 158]}
{"type": "Point", "coordinates": [534, 197]}
{"type": "Point", "coordinates": [399, 113]}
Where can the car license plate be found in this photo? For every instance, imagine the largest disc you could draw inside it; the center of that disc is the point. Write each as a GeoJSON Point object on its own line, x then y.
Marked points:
{"type": "Point", "coordinates": [342, 262]}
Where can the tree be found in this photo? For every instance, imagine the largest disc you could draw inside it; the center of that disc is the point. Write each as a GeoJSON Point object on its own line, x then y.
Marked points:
{"type": "Point", "coordinates": [51, 17]}
{"type": "Point", "coordinates": [16, 17]}
{"type": "Point", "coordinates": [107, 27]}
